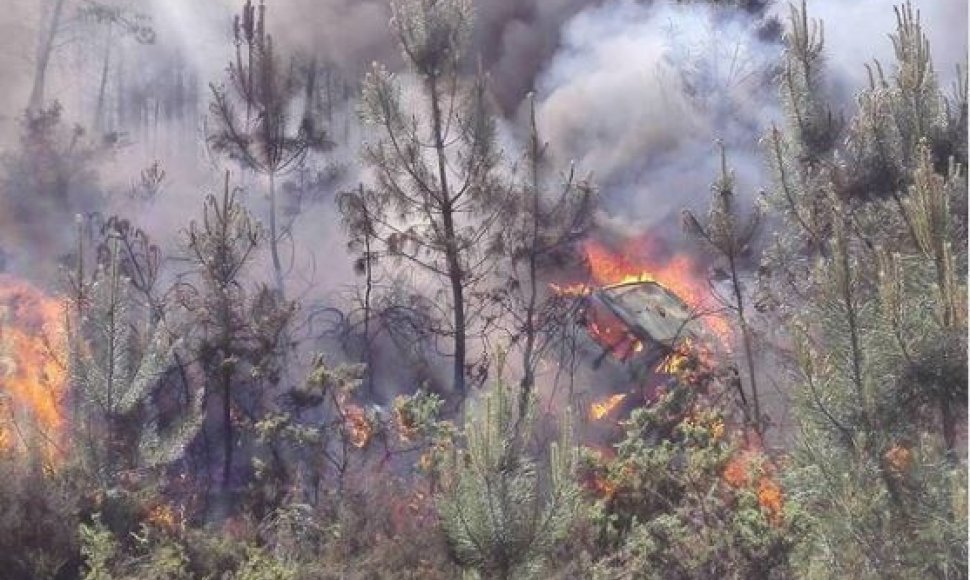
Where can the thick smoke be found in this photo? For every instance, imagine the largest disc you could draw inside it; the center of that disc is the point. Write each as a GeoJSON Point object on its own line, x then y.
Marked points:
{"type": "Point", "coordinates": [514, 38]}
{"type": "Point", "coordinates": [635, 92]}
{"type": "Point", "coordinates": [638, 94]}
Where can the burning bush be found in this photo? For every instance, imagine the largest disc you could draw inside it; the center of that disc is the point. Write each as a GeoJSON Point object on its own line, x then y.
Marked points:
{"type": "Point", "coordinates": [685, 494]}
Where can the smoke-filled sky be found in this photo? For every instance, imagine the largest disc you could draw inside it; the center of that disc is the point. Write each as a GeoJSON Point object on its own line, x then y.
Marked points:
{"type": "Point", "coordinates": [635, 92]}
{"type": "Point", "coordinates": [519, 39]}
{"type": "Point", "coordinates": [609, 97]}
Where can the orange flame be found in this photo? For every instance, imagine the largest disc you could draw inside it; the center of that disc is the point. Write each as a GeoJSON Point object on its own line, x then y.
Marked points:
{"type": "Point", "coordinates": [601, 409]}
{"type": "Point", "coordinates": [602, 486]}
{"type": "Point", "coordinates": [33, 377]}
{"type": "Point", "coordinates": [359, 428]}
{"type": "Point", "coordinates": [634, 264]}
{"type": "Point", "coordinates": [594, 476]}
{"type": "Point", "coordinates": [639, 261]}
{"type": "Point", "coordinates": [749, 467]}
{"type": "Point", "coordinates": [612, 334]}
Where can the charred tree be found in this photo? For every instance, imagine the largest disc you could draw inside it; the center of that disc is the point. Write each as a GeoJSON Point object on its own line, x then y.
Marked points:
{"type": "Point", "coordinates": [221, 246]}
{"type": "Point", "coordinates": [45, 50]}
{"type": "Point", "coordinates": [548, 221]}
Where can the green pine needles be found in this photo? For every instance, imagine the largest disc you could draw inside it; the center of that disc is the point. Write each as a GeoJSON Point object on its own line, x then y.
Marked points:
{"type": "Point", "coordinates": [115, 370]}
{"type": "Point", "coordinates": [501, 515]}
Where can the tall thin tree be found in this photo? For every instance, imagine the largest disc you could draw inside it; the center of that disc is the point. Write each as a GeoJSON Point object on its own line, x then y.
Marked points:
{"type": "Point", "coordinates": [729, 236]}
{"type": "Point", "coordinates": [253, 115]}
{"type": "Point", "coordinates": [436, 199]}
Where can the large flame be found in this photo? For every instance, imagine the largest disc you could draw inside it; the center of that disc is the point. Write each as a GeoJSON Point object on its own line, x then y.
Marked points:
{"type": "Point", "coordinates": [33, 375]}
{"type": "Point", "coordinates": [642, 260]}
{"type": "Point", "coordinates": [636, 262]}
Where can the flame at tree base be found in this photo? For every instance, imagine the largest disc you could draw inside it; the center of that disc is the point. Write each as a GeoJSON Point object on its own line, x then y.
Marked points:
{"type": "Point", "coordinates": [601, 409]}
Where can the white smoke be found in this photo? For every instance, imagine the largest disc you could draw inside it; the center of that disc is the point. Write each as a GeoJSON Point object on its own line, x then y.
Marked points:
{"type": "Point", "coordinates": [858, 32]}
{"type": "Point", "coordinates": [638, 94]}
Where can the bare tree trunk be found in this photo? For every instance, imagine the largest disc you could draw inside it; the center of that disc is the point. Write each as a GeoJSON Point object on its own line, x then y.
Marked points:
{"type": "Point", "coordinates": [746, 342]}
{"type": "Point", "coordinates": [226, 380]}
{"type": "Point", "coordinates": [368, 290]}
{"type": "Point", "coordinates": [451, 243]}
{"type": "Point", "coordinates": [225, 368]}
{"type": "Point", "coordinates": [528, 353]}
{"type": "Point", "coordinates": [45, 47]}
{"type": "Point", "coordinates": [274, 236]}
{"type": "Point", "coordinates": [105, 67]}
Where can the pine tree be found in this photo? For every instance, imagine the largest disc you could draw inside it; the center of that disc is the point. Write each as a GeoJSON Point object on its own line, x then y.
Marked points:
{"type": "Point", "coordinates": [115, 374]}
{"type": "Point", "coordinates": [436, 201]}
{"type": "Point", "coordinates": [500, 516]}
{"type": "Point", "coordinates": [869, 275]}
{"type": "Point", "coordinates": [545, 222]}
{"type": "Point", "coordinates": [222, 246]}
{"type": "Point", "coordinates": [263, 138]}
{"type": "Point", "coordinates": [688, 494]}
{"type": "Point", "coordinates": [729, 236]}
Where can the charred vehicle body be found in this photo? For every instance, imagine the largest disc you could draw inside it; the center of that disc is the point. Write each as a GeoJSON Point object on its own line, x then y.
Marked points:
{"type": "Point", "coordinates": [635, 327]}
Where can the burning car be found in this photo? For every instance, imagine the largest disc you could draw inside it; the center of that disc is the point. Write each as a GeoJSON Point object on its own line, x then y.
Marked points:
{"type": "Point", "coordinates": [643, 308]}
{"type": "Point", "coordinates": [636, 326]}
{"type": "Point", "coordinates": [639, 317]}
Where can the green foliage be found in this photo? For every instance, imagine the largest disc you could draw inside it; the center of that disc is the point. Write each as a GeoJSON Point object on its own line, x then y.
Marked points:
{"type": "Point", "coordinates": [867, 273]}
{"type": "Point", "coordinates": [261, 566]}
{"type": "Point", "coordinates": [98, 548]}
{"type": "Point", "coordinates": [433, 35]}
{"type": "Point", "coordinates": [438, 200]}
{"type": "Point", "coordinates": [870, 275]}
{"type": "Point", "coordinates": [115, 373]}
{"type": "Point", "coordinates": [264, 138]}
{"type": "Point", "coordinates": [315, 437]}
{"type": "Point", "coordinates": [417, 415]}
{"type": "Point", "coordinates": [236, 336]}
{"type": "Point", "coordinates": [38, 520]}
{"type": "Point", "coordinates": [686, 496]}
{"type": "Point", "coordinates": [500, 517]}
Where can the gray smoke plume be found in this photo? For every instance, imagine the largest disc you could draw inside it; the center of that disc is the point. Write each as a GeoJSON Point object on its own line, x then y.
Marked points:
{"type": "Point", "coordinates": [638, 94]}
{"type": "Point", "coordinates": [634, 91]}
{"type": "Point", "coordinates": [514, 38]}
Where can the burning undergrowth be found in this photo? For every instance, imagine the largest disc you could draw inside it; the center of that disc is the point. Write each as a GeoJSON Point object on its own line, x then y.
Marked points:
{"type": "Point", "coordinates": [649, 312]}
{"type": "Point", "coordinates": [686, 444]}
{"type": "Point", "coordinates": [32, 368]}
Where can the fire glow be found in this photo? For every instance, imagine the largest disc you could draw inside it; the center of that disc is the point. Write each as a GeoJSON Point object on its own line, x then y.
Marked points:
{"type": "Point", "coordinates": [601, 409]}
{"type": "Point", "coordinates": [358, 428]}
{"type": "Point", "coordinates": [638, 261]}
{"type": "Point", "coordinates": [33, 375]}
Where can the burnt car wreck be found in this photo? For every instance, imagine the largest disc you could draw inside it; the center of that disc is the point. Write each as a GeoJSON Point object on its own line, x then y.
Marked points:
{"type": "Point", "coordinates": [639, 320]}
{"type": "Point", "coordinates": [635, 327]}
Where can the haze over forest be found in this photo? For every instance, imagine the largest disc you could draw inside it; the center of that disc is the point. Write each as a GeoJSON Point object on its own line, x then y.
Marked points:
{"type": "Point", "coordinates": [483, 289]}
